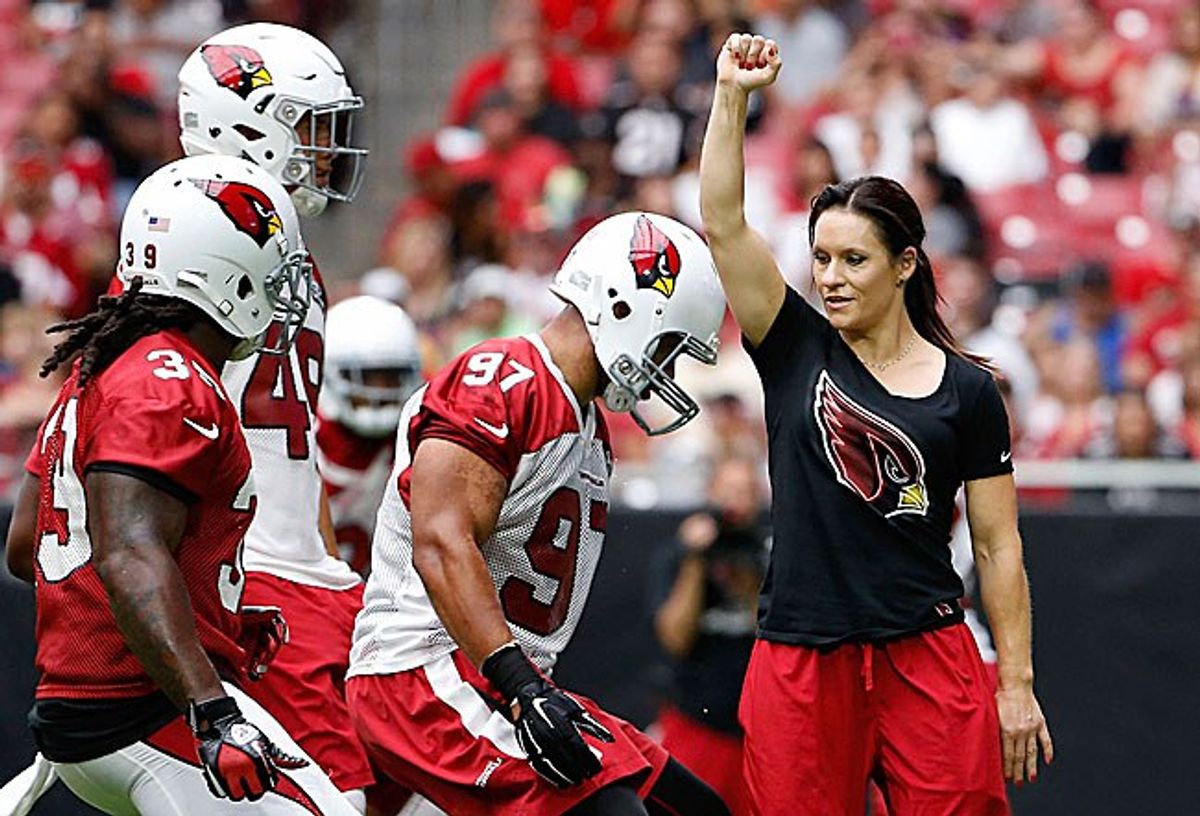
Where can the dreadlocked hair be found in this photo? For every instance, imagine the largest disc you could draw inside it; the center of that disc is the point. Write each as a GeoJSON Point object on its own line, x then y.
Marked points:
{"type": "Point", "coordinates": [116, 323]}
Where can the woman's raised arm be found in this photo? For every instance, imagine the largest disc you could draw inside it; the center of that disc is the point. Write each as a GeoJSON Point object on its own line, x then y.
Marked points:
{"type": "Point", "coordinates": [748, 271]}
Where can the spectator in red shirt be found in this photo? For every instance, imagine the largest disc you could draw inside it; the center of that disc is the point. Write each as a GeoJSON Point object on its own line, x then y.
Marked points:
{"type": "Point", "coordinates": [1091, 77]}
{"type": "Point", "coordinates": [36, 243]}
{"type": "Point", "coordinates": [595, 25]}
{"type": "Point", "coordinates": [516, 162]}
{"type": "Point", "coordinates": [516, 26]}
{"type": "Point", "coordinates": [1157, 345]}
{"type": "Point", "coordinates": [82, 172]}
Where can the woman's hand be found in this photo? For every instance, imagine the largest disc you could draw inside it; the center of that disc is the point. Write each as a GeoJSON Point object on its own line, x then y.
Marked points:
{"type": "Point", "coordinates": [1022, 728]}
{"type": "Point", "coordinates": [748, 61]}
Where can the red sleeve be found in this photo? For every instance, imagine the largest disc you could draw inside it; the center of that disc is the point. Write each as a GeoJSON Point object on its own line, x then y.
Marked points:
{"type": "Point", "coordinates": [179, 440]}
{"type": "Point", "coordinates": [33, 462]}
{"type": "Point", "coordinates": [466, 404]}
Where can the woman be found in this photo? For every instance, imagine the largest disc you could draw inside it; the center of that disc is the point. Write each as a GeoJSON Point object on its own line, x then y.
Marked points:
{"type": "Point", "coordinates": [863, 668]}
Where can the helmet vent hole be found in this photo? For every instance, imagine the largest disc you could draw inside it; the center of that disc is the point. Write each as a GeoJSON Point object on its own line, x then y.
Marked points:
{"type": "Point", "coordinates": [214, 132]}
{"type": "Point", "coordinates": [177, 183]}
{"type": "Point", "coordinates": [248, 133]}
{"type": "Point", "coordinates": [621, 310]}
{"type": "Point", "coordinates": [269, 155]}
{"type": "Point", "coordinates": [612, 293]}
{"type": "Point", "coordinates": [245, 287]}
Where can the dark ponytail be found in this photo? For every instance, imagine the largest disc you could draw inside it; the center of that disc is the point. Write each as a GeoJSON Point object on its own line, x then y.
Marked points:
{"type": "Point", "coordinates": [898, 223]}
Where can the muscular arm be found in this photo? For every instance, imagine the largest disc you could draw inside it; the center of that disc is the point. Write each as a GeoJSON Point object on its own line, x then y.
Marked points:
{"type": "Point", "coordinates": [748, 271]}
{"type": "Point", "coordinates": [455, 500]}
{"type": "Point", "coordinates": [992, 515]}
{"type": "Point", "coordinates": [22, 529]}
{"type": "Point", "coordinates": [135, 528]}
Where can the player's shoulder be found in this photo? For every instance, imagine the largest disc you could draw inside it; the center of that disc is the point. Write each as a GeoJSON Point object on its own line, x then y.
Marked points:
{"type": "Point", "coordinates": [513, 373]}
{"type": "Point", "coordinates": [164, 367]}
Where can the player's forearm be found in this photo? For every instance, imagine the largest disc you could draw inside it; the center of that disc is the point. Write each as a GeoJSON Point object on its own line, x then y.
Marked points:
{"type": "Point", "coordinates": [325, 525]}
{"type": "Point", "coordinates": [152, 609]}
{"type": "Point", "coordinates": [1005, 590]}
{"type": "Point", "coordinates": [463, 595]}
{"type": "Point", "coordinates": [678, 620]}
{"type": "Point", "coordinates": [722, 163]}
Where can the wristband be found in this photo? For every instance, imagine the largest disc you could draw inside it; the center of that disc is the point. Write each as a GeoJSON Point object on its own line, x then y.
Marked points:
{"type": "Point", "coordinates": [201, 716]}
{"type": "Point", "coordinates": [509, 670]}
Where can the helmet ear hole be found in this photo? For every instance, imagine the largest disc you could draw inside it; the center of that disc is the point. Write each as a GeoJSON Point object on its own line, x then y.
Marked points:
{"type": "Point", "coordinates": [245, 287]}
{"type": "Point", "coordinates": [621, 310]}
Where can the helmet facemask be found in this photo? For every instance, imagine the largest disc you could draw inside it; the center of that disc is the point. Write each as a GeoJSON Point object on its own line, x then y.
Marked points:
{"type": "Point", "coordinates": [651, 380]}
{"type": "Point", "coordinates": [290, 287]}
{"type": "Point", "coordinates": [329, 128]}
{"type": "Point", "coordinates": [371, 410]}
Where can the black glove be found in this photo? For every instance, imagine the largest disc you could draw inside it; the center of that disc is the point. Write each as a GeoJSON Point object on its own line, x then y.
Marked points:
{"type": "Point", "coordinates": [264, 633]}
{"type": "Point", "coordinates": [239, 761]}
{"type": "Point", "coordinates": [549, 722]}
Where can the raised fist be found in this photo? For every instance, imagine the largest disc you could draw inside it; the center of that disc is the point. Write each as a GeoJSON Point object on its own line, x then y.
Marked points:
{"type": "Point", "coordinates": [748, 61]}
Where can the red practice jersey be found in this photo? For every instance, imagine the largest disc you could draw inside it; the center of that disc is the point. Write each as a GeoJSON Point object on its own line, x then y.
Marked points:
{"type": "Point", "coordinates": [507, 402]}
{"type": "Point", "coordinates": [355, 470]}
{"type": "Point", "coordinates": [160, 413]}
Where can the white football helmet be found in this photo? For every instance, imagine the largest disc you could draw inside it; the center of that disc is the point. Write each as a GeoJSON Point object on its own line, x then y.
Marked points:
{"type": "Point", "coordinates": [372, 365]}
{"type": "Point", "coordinates": [648, 291]}
{"type": "Point", "coordinates": [223, 235]}
{"type": "Point", "coordinates": [243, 92]}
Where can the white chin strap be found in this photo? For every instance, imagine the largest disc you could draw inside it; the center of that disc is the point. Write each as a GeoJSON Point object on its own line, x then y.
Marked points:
{"type": "Point", "coordinates": [248, 347]}
{"type": "Point", "coordinates": [619, 399]}
{"type": "Point", "coordinates": [309, 203]}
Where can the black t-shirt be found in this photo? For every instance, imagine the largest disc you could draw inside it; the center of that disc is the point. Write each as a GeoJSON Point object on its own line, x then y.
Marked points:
{"type": "Point", "coordinates": [863, 486]}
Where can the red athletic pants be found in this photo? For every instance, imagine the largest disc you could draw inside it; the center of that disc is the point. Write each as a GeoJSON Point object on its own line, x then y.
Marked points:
{"type": "Point", "coordinates": [915, 714]}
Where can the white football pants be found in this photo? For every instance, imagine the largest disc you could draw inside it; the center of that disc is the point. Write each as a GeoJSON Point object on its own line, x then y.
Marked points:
{"type": "Point", "coordinates": [140, 780]}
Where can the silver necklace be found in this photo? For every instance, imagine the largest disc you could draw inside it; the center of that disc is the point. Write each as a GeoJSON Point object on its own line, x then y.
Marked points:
{"type": "Point", "coordinates": [882, 367]}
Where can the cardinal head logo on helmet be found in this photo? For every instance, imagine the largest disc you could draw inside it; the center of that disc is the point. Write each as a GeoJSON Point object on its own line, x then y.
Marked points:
{"type": "Point", "coordinates": [654, 257]}
{"type": "Point", "coordinates": [870, 456]}
{"type": "Point", "coordinates": [236, 67]}
{"type": "Point", "coordinates": [249, 208]}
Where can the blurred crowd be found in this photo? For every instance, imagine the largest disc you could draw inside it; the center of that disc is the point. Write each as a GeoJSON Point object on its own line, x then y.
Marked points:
{"type": "Point", "coordinates": [1054, 146]}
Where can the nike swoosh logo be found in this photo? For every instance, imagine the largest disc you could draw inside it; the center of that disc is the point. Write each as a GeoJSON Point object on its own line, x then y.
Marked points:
{"type": "Point", "coordinates": [499, 432]}
{"type": "Point", "coordinates": [1004, 457]}
{"type": "Point", "coordinates": [210, 433]}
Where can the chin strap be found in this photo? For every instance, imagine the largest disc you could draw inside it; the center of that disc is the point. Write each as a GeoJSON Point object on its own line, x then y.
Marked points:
{"type": "Point", "coordinates": [619, 399]}
{"type": "Point", "coordinates": [309, 203]}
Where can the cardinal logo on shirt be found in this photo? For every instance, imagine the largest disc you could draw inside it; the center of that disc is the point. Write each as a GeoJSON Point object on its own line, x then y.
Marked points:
{"type": "Point", "coordinates": [654, 257]}
{"type": "Point", "coordinates": [236, 67]}
{"type": "Point", "coordinates": [247, 207]}
{"type": "Point", "coordinates": [870, 455]}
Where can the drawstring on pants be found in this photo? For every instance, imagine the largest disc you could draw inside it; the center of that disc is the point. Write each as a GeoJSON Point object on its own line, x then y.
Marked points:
{"type": "Point", "coordinates": [868, 666]}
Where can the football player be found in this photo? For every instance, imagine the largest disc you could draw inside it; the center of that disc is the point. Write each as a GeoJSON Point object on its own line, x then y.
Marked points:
{"type": "Point", "coordinates": [372, 365]}
{"type": "Point", "coordinates": [138, 493]}
{"type": "Point", "coordinates": [279, 97]}
{"type": "Point", "coordinates": [491, 529]}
